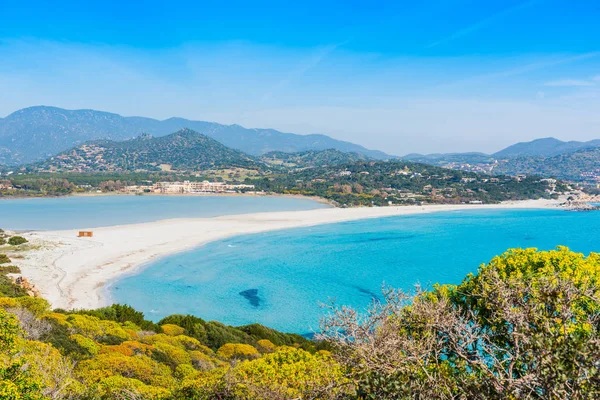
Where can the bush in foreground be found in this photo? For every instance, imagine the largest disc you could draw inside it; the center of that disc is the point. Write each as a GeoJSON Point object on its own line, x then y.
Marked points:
{"type": "Point", "coordinates": [527, 325]}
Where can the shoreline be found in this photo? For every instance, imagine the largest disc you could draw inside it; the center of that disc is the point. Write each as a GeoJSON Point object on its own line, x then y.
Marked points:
{"type": "Point", "coordinates": [317, 199]}
{"type": "Point", "coordinates": [72, 272]}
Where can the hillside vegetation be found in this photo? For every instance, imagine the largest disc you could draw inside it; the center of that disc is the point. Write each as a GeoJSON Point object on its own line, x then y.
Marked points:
{"type": "Point", "coordinates": [182, 150]}
{"type": "Point", "coordinates": [348, 179]}
{"type": "Point", "coordinates": [576, 166]}
{"type": "Point", "coordinates": [525, 326]}
{"type": "Point", "coordinates": [401, 182]}
{"type": "Point", "coordinates": [545, 147]}
{"type": "Point", "coordinates": [548, 158]}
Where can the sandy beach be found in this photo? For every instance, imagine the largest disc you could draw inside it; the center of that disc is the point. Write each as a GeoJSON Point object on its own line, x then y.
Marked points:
{"type": "Point", "coordinates": [73, 272]}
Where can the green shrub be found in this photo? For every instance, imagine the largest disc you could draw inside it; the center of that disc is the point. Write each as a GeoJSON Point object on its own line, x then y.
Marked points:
{"type": "Point", "coordinates": [215, 334]}
{"type": "Point", "coordinates": [525, 326]}
{"type": "Point", "coordinates": [238, 351]}
{"type": "Point", "coordinates": [119, 313]}
{"type": "Point", "coordinates": [4, 259]}
{"type": "Point", "coordinates": [9, 289]}
{"type": "Point", "coordinates": [10, 269]}
{"type": "Point", "coordinates": [17, 240]}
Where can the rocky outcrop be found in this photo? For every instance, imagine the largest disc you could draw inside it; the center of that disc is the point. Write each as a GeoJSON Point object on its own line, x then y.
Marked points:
{"type": "Point", "coordinates": [28, 286]}
{"type": "Point", "coordinates": [580, 206]}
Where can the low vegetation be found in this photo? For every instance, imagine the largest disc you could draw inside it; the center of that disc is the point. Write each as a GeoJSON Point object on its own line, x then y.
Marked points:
{"type": "Point", "coordinates": [578, 166]}
{"type": "Point", "coordinates": [400, 182]}
{"type": "Point", "coordinates": [347, 179]}
{"type": "Point", "coordinates": [182, 150]}
{"type": "Point", "coordinates": [525, 326]}
{"type": "Point", "coordinates": [17, 240]}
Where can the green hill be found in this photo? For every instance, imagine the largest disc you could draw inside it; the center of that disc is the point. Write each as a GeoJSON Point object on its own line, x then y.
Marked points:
{"type": "Point", "coordinates": [545, 147]}
{"type": "Point", "coordinates": [401, 182]}
{"type": "Point", "coordinates": [578, 166]}
{"type": "Point", "coordinates": [184, 150]}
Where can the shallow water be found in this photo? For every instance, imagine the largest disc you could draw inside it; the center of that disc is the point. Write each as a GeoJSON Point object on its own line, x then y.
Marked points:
{"type": "Point", "coordinates": [89, 212]}
{"type": "Point", "coordinates": [279, 278]}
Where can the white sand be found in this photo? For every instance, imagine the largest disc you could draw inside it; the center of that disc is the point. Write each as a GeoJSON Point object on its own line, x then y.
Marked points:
{"type": "Point", "coordinates": [72, 272]}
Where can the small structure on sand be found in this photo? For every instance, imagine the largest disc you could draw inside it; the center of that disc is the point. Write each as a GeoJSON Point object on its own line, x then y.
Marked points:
{"type": "Point", "coordinates": [85, 234]}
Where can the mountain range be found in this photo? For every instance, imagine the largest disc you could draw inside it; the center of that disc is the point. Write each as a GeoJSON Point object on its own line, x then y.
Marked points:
{"type": "Point", "coordinates": [57, 139]}
{"type": "Point", "coordinates": [36, 133]}
{"type": "Point", "coordinates": [544, 147]}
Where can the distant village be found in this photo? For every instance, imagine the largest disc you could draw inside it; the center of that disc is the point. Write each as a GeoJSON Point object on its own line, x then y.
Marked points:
{"type": "Point", "coordinates": [187, 187]}
{"type": "Point", "coordinates": [158, 187]}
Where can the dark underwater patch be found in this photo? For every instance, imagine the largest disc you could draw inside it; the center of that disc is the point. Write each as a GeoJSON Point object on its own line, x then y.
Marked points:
{"type": "Point", "coordinates": [252, 296]}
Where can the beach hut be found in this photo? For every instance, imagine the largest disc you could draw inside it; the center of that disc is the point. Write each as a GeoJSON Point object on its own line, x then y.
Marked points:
{"type": "Point", "coordinates": [86, 234]}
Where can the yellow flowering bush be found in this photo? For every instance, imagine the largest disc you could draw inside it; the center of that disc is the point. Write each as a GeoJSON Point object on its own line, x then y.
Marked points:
{"type": "Point", "coordinates": [16, 381]}
{"type": "Point", "coordinates": [172, 330]}
{"type": "Point", "coordinates": [120, 387]}
{"type": "Point", "coordinates": [140, 367]}
{"type": "Point", "coordinates": [237, 351]}
{"type": "Point", "coordinates": [266, 346]}
{"type": "Point", "coordinates": [289, 373]}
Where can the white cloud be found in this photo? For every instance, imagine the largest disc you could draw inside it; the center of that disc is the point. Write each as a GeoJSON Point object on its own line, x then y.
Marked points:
{"type": "Point", "coordinates": [570, 83]}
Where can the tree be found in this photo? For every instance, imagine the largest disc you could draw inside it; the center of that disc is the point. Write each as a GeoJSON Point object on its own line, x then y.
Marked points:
{"type": "Point", "coordinates": [288, 373]}
{"type": "Point", "coordinates": [527, 325]}
{"type": "Point", "coordinates": [17, 240]}
{"type": "Point", "coordinates": [15, 379]}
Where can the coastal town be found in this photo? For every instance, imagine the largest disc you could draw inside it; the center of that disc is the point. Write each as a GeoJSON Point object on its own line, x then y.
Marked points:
{"type": "Point", "coordinates": [182, 187]}
{"type": "Point", "coordinates": [188, 187]}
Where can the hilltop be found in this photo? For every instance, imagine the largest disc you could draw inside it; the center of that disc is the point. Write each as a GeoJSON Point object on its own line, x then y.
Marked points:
{"type": "Point", "coordinates": [183, 150]}
{"type": "Point", "coordinates": [546, 147]}
{"type": "Point", "coordinates": [548, 157]}
{"type": "Point", "coordinates": [35, 133]}
{"type": "Point", "coordinates": [576, 166]}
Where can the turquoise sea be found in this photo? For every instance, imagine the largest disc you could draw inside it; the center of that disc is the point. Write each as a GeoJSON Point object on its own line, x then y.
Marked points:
{"type": "Point", "coordinates": [90, 212]}
{"type": "Point", "coordinates": [279, 278]}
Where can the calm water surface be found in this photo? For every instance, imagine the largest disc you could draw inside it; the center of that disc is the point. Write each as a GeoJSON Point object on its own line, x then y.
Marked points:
{"type": "Point", "coordinates": [279, 278]}
{"type": "Point", "coordinates": [89, 212]}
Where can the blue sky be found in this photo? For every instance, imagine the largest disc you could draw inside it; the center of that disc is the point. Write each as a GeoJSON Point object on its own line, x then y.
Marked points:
{"type": "Point", "coordinates": [419, 76]}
